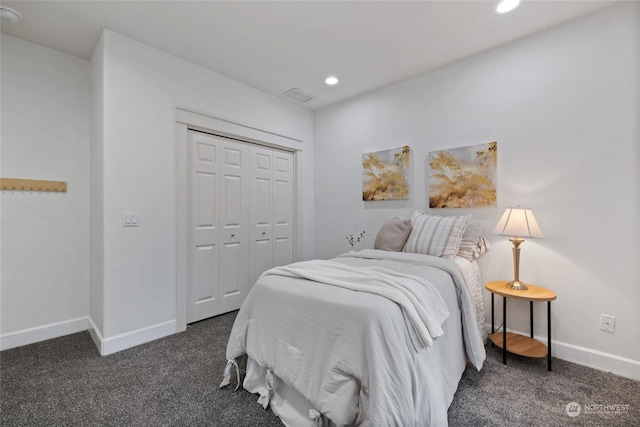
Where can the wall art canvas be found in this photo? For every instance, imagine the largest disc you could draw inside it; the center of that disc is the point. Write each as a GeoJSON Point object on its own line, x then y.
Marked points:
{"type": "Point", "coordinates": [463, 177]}
{"type": "Point", "coordinates": [386, 174]}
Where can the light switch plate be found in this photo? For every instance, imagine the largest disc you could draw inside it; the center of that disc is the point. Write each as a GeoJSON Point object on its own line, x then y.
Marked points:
{"type": "Point", "coordinates": [131, 219]}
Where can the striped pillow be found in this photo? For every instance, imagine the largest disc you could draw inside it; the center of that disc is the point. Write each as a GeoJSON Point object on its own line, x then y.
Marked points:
{"type": "Point", "coordinates": [436, 235]}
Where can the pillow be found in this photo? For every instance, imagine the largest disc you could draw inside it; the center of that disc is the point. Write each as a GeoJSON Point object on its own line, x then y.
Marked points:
{"type": "Point", "coordinates": [393, 235]}
{"type": "Point", "coordinates": [436, 235]}
{"type": "Point", "coordinates": [472, 244]}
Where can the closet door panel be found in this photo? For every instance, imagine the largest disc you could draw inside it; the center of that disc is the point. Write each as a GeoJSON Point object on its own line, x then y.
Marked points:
{"type": "Point", "coordinates": [262, 258]}
{"type": "Point", "coordinates": [262, 219]}
{"type": "Point", "coordinates": [205, 207]}
{"type": "Point", "coordinates": [234, 283]}
{"type": "Point", "coordinates": [231, 274]}
{"type": "Point", "coordinates": [205, 291]}
{"type": "Point", "coordinates": [261, 205]}
{"type": "Point", "coordinates": [283, 211]}
{"type": "Point", "coordinates": [202, 257]}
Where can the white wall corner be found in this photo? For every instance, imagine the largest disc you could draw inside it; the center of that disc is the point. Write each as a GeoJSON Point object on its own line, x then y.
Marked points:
{"type": "Point", "coordinates": [181, 229]}
{"type": "Point", "coordinates": [42, 333]}
{"type": "Point", "coordinates": [96, 336]}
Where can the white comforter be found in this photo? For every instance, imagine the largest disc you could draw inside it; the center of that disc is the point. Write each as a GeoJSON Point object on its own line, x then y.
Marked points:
{"type": "Point", "coordinates": [349, 353]}
{"type": "Point", "coordinates": [422, 306]}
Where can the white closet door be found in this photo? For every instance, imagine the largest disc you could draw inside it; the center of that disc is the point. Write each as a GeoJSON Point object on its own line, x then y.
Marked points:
{"type": "Point", "coordinates": [272, 209]}
{"type": "Point", "coordinates": [240, 220]}
{"type": "Point", "coordinates": [203, 256]}
{"type": "Point", "coordinates": [234, 248]}
{"type": "Point", "coordinates": [283, 207]}
{"type": "Point", "coordinates": [260, 216]}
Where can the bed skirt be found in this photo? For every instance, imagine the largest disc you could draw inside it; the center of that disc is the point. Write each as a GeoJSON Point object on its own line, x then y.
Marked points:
{"type": "Point", "coordinates": [293, 409]}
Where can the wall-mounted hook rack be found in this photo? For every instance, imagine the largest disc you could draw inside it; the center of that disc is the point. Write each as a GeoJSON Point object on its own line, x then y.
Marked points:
{"type": "Point", "coordinates": [15, 184]}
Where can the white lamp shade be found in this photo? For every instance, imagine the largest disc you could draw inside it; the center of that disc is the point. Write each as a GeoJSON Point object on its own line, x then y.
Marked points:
{"type": "Point", "coordinates": [518, 222]}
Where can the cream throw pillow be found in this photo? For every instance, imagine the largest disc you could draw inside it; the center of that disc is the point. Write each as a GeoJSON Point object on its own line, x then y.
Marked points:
{"type": "Point", "coordinates": [436, 235]}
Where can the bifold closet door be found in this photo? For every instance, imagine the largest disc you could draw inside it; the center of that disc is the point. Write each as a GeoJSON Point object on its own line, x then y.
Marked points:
{"type": "Point", "coordinates": [240, 214]}
{"type": "Point", "coordinates": [218, 219]}
{"type": "Point", "coordinates": [271, 194]}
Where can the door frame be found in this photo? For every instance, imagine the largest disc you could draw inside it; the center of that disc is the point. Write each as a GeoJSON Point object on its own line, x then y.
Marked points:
{"type": "Point", "coordinates": [189, 120]}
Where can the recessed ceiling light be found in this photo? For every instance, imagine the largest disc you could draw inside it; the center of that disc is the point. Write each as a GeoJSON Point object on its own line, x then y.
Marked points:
{"type": "Point", "coordinates": [331, 80]}
{"type": "Point", "coordinates": [507, 6]}
{"type": "Point", "coordinates": [10, 14]}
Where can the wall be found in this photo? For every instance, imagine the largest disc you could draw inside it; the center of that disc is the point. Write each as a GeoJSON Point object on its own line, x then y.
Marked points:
{"type": "Point", "coordinates": [563, 105]}
{"type": "Point", "coordinates": [96, 286]}
{"type": "Point", "coordinates": [45, 236]}
{"type": "Point", "coordinates": [142, 87]}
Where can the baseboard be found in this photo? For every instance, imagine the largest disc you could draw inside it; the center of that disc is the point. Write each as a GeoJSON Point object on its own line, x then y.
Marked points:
{"type": "Point", "coordinates": [42, 333]}
{"type": "Point", "coordinates": [105, 345]}
{"type": "Point", "coordinates": [127, 340]}
{"type": "Point", "coordinates": [96, 336]}
{"type": "Point", "coordinates": [595, 359]}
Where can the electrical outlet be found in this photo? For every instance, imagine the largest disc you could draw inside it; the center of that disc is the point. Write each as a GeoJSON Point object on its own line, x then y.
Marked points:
{"type": "Point", "coordinates": [607, 323]}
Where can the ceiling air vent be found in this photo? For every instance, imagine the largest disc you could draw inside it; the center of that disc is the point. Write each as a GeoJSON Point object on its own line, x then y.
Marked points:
{"type": "Point", "coordinates": [299, 95]}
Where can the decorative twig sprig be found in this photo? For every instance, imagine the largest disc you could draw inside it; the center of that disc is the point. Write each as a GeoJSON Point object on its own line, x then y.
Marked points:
{"type": "Point", "coordinates": [353, 240]}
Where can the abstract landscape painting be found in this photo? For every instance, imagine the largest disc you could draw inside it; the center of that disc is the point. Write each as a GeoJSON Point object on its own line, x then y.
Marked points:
{"type": "Point", "coordinates": [386, 174]}
{"type": "Point", "coordinates": [463, 177]}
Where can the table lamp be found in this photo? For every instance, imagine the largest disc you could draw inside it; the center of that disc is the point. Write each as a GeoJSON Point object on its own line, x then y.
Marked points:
{"type": "Point", "coordinates": [517, 222]}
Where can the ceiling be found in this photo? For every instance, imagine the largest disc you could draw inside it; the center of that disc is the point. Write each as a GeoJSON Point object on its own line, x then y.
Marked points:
{"type": "Point", "coordinates": [278, 45]}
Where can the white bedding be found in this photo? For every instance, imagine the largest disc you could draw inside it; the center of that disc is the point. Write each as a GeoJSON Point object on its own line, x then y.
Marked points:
{"type": "Point", "coordinates": [348, 354]}
{"type": "Point", "coordinates": [420, 302]}
{"type": "Point", "coordinates": [473, 279]}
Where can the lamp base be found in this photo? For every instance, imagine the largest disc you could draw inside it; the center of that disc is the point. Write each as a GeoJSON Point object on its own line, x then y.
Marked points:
{"type": "Point", "coordinates": [517, 285]}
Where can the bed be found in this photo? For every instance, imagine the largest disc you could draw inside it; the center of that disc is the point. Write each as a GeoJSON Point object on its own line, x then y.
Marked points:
{"type": "Point", "coordinates": [343, 354]}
